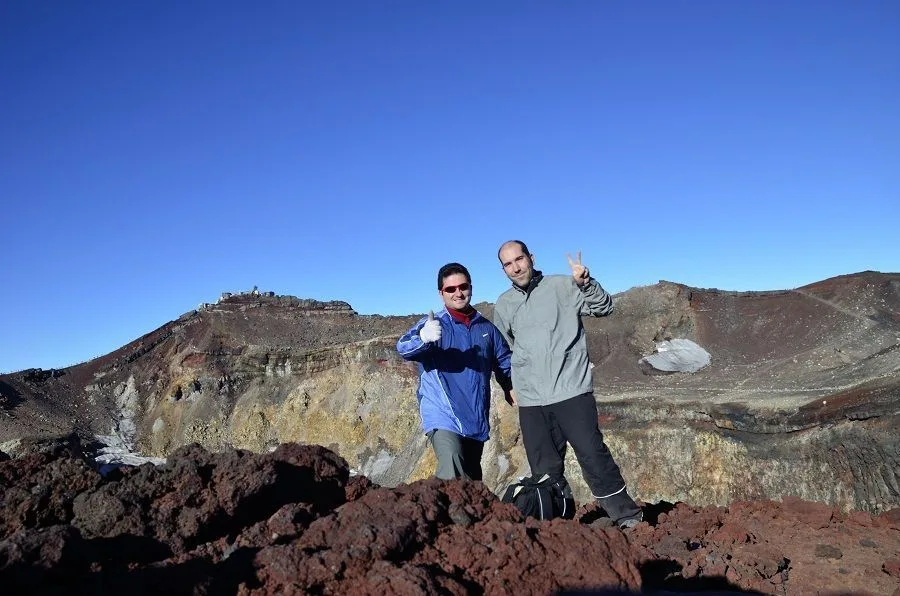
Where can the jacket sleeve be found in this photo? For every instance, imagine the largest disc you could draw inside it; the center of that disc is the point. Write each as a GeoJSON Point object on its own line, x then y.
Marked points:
{"type": "Point", "coordinates": [502, 360]}
{"type": "Point", "coordinates": [410, 345]}
{"type": "Point", "coordinates": [593, 300]}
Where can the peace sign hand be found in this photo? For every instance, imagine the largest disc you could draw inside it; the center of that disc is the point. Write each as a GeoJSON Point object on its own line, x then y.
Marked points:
{"type": "Point", "coordinates": [579, 271]}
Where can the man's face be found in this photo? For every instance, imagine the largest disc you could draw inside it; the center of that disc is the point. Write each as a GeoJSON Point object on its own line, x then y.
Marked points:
{"type": "Point", "coordinates": [456, 291]}
{"type": "Point", "coordinates": [518, 266]}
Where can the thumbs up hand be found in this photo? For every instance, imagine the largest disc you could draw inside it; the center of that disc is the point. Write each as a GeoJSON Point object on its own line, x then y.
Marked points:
{"type": "Point", "coordinates": [431, 330]}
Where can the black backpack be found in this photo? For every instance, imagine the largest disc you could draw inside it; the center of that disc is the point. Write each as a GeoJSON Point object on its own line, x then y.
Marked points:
{"type": "Point", "coordinates": [543, 498]}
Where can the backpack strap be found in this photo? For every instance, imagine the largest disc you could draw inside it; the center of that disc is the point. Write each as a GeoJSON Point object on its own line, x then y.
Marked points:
{"type": "Point", "coordinates": [545, 499]}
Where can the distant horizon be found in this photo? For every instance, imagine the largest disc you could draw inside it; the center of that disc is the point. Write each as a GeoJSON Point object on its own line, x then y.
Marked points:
{"type": "Point", "coordinates": [153, 155]}
{"type": "Point", "coordinates": [235, 293]}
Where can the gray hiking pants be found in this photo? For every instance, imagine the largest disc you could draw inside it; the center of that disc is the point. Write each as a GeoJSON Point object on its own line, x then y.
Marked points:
{"type": "Point", "coordinates": [458, 457]}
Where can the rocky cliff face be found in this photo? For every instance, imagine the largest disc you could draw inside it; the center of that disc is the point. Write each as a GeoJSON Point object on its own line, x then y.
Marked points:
{"type": "Point", "coordinates": [802, 397]}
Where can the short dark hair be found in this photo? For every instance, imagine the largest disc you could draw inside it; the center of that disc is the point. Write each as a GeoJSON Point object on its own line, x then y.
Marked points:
{"type": "Point", "coordinates": [519, 242]}
{"type": "Point", "coordinates": [451, 269]}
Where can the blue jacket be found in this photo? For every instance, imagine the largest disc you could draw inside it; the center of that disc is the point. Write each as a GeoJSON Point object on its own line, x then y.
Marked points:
{"type": "Point", "coordinates": [455, 373]}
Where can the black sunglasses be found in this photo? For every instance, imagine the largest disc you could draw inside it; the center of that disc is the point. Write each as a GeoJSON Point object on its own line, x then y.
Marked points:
{"type": "Point", "coordinates": [452, 289]}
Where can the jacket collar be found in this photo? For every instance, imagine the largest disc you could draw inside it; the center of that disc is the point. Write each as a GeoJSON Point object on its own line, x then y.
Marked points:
{"type": "Point", "coordinates": [536, 278]}
{"type": "Point", "coordinates": [464, 317]}
{"type": "Point", "coordinates": [446, 311]}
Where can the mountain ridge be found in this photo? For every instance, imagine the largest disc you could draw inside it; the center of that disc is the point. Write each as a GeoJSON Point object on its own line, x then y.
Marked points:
{"type": "Point", "coordinates": [792, 371]}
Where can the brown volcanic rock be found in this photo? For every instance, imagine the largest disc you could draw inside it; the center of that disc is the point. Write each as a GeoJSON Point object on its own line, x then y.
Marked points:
{"type": "Point", "coordinates": [768, 344]}
{"type": "Point", "coordinates": [795, 547]}
{"type": "Point", "coordinates": [38, 490]}
{"type": "Point", "coordinates": [197, 523]}
{"type": "Point", "coordinates": [278, 524]}
{"type": "Point", "coordinates": [449, 537]}
{"type": "Point", "coordinates": [537, 557]}
{"type": "Point", "coordinates": [149, 526]}
{"type": "Point", "coordinates": [198, 497]}
{"type": "Point", "coordinates": [41, 560]}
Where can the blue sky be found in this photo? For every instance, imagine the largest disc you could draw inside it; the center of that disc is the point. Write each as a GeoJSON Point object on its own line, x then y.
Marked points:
{"type": "Point", "coordinates": [155, 154]}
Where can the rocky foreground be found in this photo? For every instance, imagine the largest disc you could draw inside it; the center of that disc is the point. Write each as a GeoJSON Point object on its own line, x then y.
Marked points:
{"type": "Point", "coordinates": [294, 521]}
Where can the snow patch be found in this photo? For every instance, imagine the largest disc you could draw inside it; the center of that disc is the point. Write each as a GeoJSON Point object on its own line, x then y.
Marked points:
{"type": "Point", "coordinates": [118, 447]}
{"type": "Point", "coordinates": [677, 355]}
{"type": "Point", "coordinates": [378, 465]}
{"type": "Point", "coordinates": [502, 464]}
{"type": "Point", "coordinates": [117, 453]}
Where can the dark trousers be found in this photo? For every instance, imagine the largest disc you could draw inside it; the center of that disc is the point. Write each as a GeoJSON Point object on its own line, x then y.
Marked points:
{"type": "Point", "coordinates": [547, 429]}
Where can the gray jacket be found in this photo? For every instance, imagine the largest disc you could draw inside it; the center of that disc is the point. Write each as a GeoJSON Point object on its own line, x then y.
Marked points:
{"type": "Point", "coordinates": [542, 325]}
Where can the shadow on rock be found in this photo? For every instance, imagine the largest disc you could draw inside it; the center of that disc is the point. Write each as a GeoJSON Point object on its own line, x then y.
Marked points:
{"type": "Point", "coordinates": [663, 577]}
{"type": "Point", "coordinates": [9, 396]}
{"type": "Point", "coordinates": [192, 576]}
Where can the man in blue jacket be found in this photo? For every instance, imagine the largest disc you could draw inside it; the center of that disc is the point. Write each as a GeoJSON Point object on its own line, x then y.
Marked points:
{"type": "Point", "coordinates": [540, 317]}
{"type": "Point", "coordinates": [456, 352]}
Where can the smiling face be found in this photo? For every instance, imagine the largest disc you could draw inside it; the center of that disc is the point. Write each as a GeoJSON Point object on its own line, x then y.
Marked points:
{"type": "Point", "coordinates": [518, 266]}
{"type": "Point", "coordinates": [456, 291]}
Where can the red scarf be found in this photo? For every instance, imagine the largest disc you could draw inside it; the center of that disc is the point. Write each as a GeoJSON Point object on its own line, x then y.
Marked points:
{"type": "Point", "coordinates": [463, 316]}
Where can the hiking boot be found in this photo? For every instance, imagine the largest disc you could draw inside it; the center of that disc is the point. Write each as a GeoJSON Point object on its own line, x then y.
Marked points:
{"type": "Point", "coordinates": [622, 508]}
{"type": "Point", "coordinates": [626, 523]}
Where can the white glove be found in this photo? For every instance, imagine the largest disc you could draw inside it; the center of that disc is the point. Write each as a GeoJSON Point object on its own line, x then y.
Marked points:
{"type": "Point", "coordinates": [431, 330]}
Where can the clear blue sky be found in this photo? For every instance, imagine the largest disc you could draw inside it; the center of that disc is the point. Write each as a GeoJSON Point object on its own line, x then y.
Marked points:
{"type": "Point", "coordinates": [154, 154]}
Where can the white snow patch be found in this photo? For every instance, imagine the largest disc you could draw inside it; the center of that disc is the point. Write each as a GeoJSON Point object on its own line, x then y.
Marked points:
{"type": "Point", "coordinates": [678, 355]}
{"type": "Point", "coordinates": [117, 453]}
{"type": "Point", "coordinates": [502, 464]}
{"type": "Point", "coordinates": [119, 444]}
{"type": "Point", "coordinates": [126, 400]}
{"type": "Point", "coordinates": [378, 465]}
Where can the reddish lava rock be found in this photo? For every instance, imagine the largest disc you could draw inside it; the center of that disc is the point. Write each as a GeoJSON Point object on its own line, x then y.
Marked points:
{"type": "Point", "coordinates": [294, 522]}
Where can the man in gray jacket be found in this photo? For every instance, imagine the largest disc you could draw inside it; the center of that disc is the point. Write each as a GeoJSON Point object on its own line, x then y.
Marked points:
{"type": "Point", "coordinates": [540, 318]}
